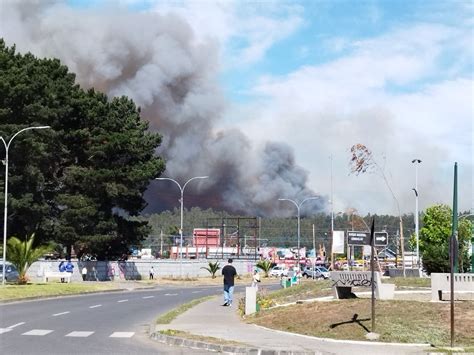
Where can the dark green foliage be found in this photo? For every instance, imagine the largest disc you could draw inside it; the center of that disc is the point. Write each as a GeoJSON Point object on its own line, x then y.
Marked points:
{"type": "Point", "coordinates": [265, 265]}
{"type": "Point", "coordinates": [436, 258]}
{"type": "Point", "coordinates": [435, 236]}
{"type": "Point", "coordinates": [22, 254]}
{"type": "Point", "coordinates": [78, 182]}
{"type": "Point", "coordinates": [212, 268]}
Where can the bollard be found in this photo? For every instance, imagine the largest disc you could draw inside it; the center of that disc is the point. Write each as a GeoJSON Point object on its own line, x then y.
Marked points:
{"type": "Point", "coordinates": [250, 300]}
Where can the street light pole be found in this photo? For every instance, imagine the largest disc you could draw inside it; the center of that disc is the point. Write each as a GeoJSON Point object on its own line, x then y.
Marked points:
{"type": "Point", "coordinates": [181, 200]}
{"type": "Point", "coordinates": [332, 220]}
{"type": "Point", "coordinates": [416, 162]}
{"type": "Point", "coordinates": [5, 213]}
{"type": "Point", "coordinates": [298, 206]}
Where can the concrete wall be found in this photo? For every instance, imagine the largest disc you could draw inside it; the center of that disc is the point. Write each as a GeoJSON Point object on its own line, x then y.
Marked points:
{"type": "Point", "coordinates": [136, 269]}
{"type": "Point", "coordinates": [408, 272]}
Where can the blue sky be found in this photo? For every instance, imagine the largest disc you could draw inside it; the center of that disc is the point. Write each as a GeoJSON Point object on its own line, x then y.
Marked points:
{"type": "Point", "coordinates": [318, 76]}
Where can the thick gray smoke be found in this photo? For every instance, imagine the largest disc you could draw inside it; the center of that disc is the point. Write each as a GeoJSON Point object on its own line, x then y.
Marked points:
{"type": "Point", "coordinates": [156, 60]}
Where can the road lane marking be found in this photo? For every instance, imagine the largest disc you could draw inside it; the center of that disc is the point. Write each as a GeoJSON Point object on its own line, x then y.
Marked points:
{"type": "Point", "coordinates": [171, 294]}
{"type": "Point", "coordinates": [79, 334]}
{"type": "Point", "coordinates": [39, 332]}
{"type": "Point", "coordinates": [15, 325]}
{"type": "Point", "coordinates": [5, 330]}
{"type": "Point", "coordinates": [122, 335]}
{"type": "Point", "coordinates": [122, 301]}
{"type": "Point", "coordinates": [196, 291]}
{"type": "Point", "coordinates": [95, 306]}
{"type": "Point", "coordinates": [60, 314]}
{"type": "Point", "coordinates": [148, 297]}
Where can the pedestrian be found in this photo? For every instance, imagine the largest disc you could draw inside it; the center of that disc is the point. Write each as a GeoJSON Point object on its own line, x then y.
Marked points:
{"type": "Point", "coordinates": [255, 279]}
{"type": "Point", "coordinates": [229, 274]}
{"type": "Point", "coordinates": [151, 273]}
{"type": "Point", "coordinates": [62, 268]}
{"type": "Point", "coordinates": [69, 269]}
{"type": "Point", "coordinates": [84, 273]}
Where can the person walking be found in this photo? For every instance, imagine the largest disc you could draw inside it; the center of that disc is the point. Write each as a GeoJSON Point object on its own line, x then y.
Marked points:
{"type": "Point", "coordinates": [62, 268]}
{"type": "Point", "coordinates": [151, 273]}
{"type": "Point", "coordinates": [229, 274]}
{"type": "Point", "coordinates": [84, 273]}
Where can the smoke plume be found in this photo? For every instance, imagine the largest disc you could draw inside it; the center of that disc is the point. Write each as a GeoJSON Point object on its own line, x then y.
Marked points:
{"type": "Point", "coordinates": [158, 62]}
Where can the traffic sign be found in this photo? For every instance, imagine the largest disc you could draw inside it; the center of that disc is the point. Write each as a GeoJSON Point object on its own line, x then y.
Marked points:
{"type": "Point", "coordinates": [358, 238]}
{"type": "Point", "coordinates": [363, 238]}
{"type": "Point", "coordinates": [381, 239]}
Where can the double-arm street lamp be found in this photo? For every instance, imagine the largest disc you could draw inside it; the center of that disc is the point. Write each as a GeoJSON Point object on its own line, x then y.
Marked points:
{"type": "Point", "coordinates": [298, 207]}
{"type": "Point", "coordinates": [5, 162]}
{"type": "Point", "coordinates": [181, 188]}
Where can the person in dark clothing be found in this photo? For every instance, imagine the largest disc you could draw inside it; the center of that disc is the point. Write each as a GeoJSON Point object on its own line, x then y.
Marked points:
{"type": "Point", "coordinates": [229, 274]}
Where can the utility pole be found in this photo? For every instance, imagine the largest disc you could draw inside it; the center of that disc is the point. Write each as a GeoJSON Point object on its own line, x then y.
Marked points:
{"type": "Point", "coordinates": [417, 162]}
{"type": "Point", "coordinates": [314, 248]}
{"type": "Point", "coordinates": [161, 243]}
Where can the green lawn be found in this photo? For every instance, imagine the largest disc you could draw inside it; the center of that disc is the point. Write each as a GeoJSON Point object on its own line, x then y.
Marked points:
{"type": "Point", "coordinates": [169, 316]}
{"type": "Point", "coordinates": [18, 292]}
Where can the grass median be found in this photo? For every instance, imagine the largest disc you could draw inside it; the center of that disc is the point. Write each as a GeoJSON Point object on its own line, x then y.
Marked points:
{"type": "Point", "coordinates": [401, 321]}
{"type": "Point", "coordinates": [31, 290]}
{"type": "Point", "coordinates": [169, 316]}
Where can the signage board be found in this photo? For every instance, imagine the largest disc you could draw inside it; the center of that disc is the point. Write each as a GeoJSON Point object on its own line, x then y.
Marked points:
{"type": "Point", "coordinates": [338, 242]}
{"type": "Point", "coordinates": [381, 239]}
{"type": "Point", "coordinates": [358, 238]}
{"type": "Point", "coordinates": [363, 238]}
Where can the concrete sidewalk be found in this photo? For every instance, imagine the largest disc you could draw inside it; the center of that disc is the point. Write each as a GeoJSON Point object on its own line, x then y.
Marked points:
{"type": "Point", "coordinates": [213, 320]}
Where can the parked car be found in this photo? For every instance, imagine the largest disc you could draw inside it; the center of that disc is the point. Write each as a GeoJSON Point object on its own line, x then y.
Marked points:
{"type": "Point", "coordinates": [11, 273]}
{"type": "Point", "coordinates": [319, 272]}
{"type": "Point", "coordinates": [278, 271]}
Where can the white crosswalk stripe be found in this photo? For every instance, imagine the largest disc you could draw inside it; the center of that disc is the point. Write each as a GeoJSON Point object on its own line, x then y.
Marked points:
{"type": "Point", "coordinates": [79, 334]}
{"type": "Point", "coordinates": [122, 335]}
{"type": "Point", "coordinates": [5, 330]}
{"type": "Point", "coordinates": [38, 332]}
{"type": "Point", "coordinates": [16, 325]}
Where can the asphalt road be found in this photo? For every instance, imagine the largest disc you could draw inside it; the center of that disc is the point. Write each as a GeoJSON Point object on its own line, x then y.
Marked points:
{"type": "Point", "coordinates": [106, 323]}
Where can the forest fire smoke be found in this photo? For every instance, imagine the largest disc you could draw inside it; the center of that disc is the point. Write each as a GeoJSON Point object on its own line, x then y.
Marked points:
{"type": "Point", "coordinates": [157, 61]}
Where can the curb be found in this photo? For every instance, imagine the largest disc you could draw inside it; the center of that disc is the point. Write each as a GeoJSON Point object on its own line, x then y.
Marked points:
{"type": "Point", "coordinates": [227, 349]}
{"type": "Point", "coordinates": [344, 341]}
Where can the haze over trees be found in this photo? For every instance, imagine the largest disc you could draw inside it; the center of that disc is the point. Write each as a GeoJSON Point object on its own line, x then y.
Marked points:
{"type": "Point", "coordinates": [78, 182]}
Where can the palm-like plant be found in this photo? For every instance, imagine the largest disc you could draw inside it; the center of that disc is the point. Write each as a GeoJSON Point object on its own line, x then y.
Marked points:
{"type": "Point", "coordinates": [265, 265]}
{"type": "Point", "coordinates": [22, 254]}
{"type": "Point", "coordinates": [212, 268]}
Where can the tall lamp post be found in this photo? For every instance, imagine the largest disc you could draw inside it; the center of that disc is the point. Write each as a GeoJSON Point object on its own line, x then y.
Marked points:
{"type": "Point", "coordinates": [416, 162]}
{"type": "Point", "coordinates": [181, 188]}
{"type": "Point", "coordinates": [298, 207]}
{"type": "Point", "coordinates": [5, 213]}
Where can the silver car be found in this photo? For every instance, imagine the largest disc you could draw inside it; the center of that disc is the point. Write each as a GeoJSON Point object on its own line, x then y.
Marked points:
{"type": "Point", "coordinates": [11, 273]}
{"type": "Point", "coordinates": [319, 272]}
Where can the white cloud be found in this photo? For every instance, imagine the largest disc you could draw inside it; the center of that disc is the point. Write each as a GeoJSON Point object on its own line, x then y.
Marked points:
{"type": "Point", "coordinates": [390, 93]}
